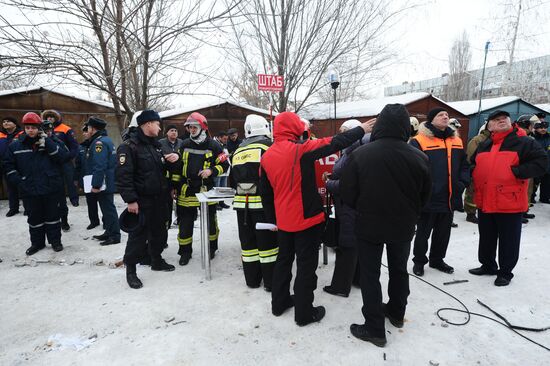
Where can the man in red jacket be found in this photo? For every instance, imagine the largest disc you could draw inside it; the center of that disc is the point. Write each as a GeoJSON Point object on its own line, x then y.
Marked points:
{"type": "Point", "coordinates": [503, 165]}
{"type": "Point", "coordinates": [291, 201]}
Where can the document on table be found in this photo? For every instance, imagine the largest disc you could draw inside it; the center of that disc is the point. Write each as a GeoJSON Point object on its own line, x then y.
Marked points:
{"type": "Point", "coordinates": [265, 226]}
{"type": "Point", "coordinates": [88, 184]}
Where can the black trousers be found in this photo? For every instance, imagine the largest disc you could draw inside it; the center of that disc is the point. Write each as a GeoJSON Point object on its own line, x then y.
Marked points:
{"type": "Point", "coordinates": [504, 229]}
{"type": "Point", "coordinates": [305, 246]}
{"type": "Point", "coordinates": [13, 196]}
{"type": "Point", "coordinates": [258, 248]}
{"type": "Point", "coordinates": [545, 187]}
{"type": "Point", "coordinates": [63, 208]}
{"type": "Point", "coordinates": [370, 258]}
{"type": "Point", "coordinates": [68, 177]}
{"type": "Point", "coordinates": [43, 219]}
{"type": "Point", "coordinates": [438, 225]}
{"type": "Point", "coordinates": [167, 219]}
{"type": "Point", "coordinates": [110, 216]}
{"type": "Point", "coordinates": [91, 202]}
{"type": "Point", "coordinates": [147, 240]}
{"type": "Point", "coordinates": [187, 216]}
{"type": "Point", "coordinates": [346, 269]}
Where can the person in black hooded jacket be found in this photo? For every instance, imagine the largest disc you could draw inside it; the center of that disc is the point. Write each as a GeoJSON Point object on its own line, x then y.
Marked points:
{"type": "Point", "coordinates": [388, 182]}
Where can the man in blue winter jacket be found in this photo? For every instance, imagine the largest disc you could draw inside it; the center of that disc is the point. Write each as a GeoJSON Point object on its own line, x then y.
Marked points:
{"type": "Point", "coordinates": [99, 166]}
{"type": "Point", "coordinates": [33, 163]}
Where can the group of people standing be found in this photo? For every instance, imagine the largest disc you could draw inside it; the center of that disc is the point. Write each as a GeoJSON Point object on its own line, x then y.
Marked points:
{"type": "Point", "coordinates": [396, 179]}
{"type": "Point", "coordinates": [39, 165]}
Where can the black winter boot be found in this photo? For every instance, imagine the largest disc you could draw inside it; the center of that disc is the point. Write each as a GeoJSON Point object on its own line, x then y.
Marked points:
{"type": "Point", "coordinates": [184, 259]}
{"type": "Point", "coordinates": [161, 265]}
{"type": "Point", "coordinates": [132, 278]}
{"type": "Point", "coordinates": [471, 217]}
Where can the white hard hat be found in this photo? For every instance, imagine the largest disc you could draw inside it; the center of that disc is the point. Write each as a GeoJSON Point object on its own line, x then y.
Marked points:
{"type": "Point", "coordinates": [349, 124]}
{"type": "Point", "coordinates": [453, 122]}
{"type": "Point", "coordinates": [255, 125]}
{"type": "Point", "coordinates": [133, 122]}
{"type": "Point", "coordinates": [414, 123]}
{"type": "Point", "coordinates": [307, 124]}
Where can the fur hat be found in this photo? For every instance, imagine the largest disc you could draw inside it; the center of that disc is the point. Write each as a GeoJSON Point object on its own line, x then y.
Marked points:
{"type": "Point", "coordinates": [147, 115]}
{"type": "Point", "coordinates": [52, 113]}
{"type": "Point", "coordinates": [96, 123]}
{"type": "Point", "coordinates": [130, 222]}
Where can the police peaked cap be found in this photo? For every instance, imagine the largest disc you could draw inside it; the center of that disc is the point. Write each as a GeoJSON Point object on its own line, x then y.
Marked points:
{"type": "Point", "coordinates": [96, 123]}
{"type": "Point", "coordinates": [130, 222]}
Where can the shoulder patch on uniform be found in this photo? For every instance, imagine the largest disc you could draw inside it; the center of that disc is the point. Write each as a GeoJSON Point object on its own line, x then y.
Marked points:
{"type": "Point", "coordinates": [98, 148]}
{"type": "Point", "coordinates": [122, 159]}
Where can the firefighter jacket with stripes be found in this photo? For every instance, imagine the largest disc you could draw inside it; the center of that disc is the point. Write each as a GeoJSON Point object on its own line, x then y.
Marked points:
{"type": "Point", "coordinates": [195, 158]}
{"type": "Point", "coordinates": [245, 172]}
{"type": "Point", "coordinates": [34, 169]}
{"type": "Point", "coordinates": [449, 167]}
{"type": "Point", "coordinates": [503, 165]}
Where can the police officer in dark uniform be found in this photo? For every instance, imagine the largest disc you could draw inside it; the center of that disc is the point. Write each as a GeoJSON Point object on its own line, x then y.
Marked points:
{"type": "Point", "coordinates": [99, 163]}
{"type": "Point", "coordinates": [258, 247]}
{"type": "Point", "coordinates": [140, 179]}
{"type": "Point", "coordinates": [33, 163]}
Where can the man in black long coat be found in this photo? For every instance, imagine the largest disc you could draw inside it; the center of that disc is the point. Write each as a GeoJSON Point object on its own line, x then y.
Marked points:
{"type": "Point", "coordinates": [387, 182]}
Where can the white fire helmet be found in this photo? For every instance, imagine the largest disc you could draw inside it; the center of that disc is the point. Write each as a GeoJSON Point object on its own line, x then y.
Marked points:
{"type": "Point", "coordinates": [255, 125]}
{"type": "Point", "coordinates": [133, 122]}
{"type": "Point", "coordinates": [349, 124]}
{"type": "Point", "coordinates": [414, 123]}
{"type": "Point", "coordinates": [454, 123]}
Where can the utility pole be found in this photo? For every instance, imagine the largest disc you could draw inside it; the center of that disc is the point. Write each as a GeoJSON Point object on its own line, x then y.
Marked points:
{"type": "Point", "coordinates": [506, 86]}
{"type": "Point", "coordinates": [481, 86]}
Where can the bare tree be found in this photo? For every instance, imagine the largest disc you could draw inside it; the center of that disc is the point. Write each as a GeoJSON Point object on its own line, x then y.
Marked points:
{"type": "Point", "coordinates": [300, 39]}
{"type": "Point", "coordinates": [519, 34]}
{"type": "Point", "coordinates": [135, 51]}
{"type": "Point", "coordinates": [459, 85]}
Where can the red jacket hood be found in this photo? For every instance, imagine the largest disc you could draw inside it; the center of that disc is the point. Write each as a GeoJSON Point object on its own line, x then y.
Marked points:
{"type": "Point", "coordinates": [287, 126]}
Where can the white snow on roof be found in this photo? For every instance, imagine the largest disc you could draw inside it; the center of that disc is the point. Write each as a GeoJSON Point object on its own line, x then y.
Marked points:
{"type": "Point", "coordinates": [469, 107]}
{"type": "Point", "coordinates": [27, 89]}
{"type": "Point", "coordinates": [544, 107]}
{"type": "Point", "coordinates": [208, 104]}
{"type": "Point", "coordinates": [357, 109]}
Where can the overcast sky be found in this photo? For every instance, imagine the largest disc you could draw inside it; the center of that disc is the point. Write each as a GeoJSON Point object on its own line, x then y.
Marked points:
{"type": "Point", "coordinates": [424, 37]}
{"type": "Point", "coordinates": [429, 32]}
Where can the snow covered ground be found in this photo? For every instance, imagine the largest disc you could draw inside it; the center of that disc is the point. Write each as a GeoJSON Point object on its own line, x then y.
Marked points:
{"type": "Point", "coordinates": [49, 310]}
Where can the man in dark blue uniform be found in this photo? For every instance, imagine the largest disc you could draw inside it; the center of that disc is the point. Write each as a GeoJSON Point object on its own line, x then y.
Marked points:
{"type": "Point", "coordinates": [91, 198]}
{"type": "Point", "coordinates": [66, 135]}
{"type": "Point", "coordinates": [99, 165]}
{"type": "Point", "coordinates": [9, 131]}
{"type": "Point", "coordinates": [33, 163]}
